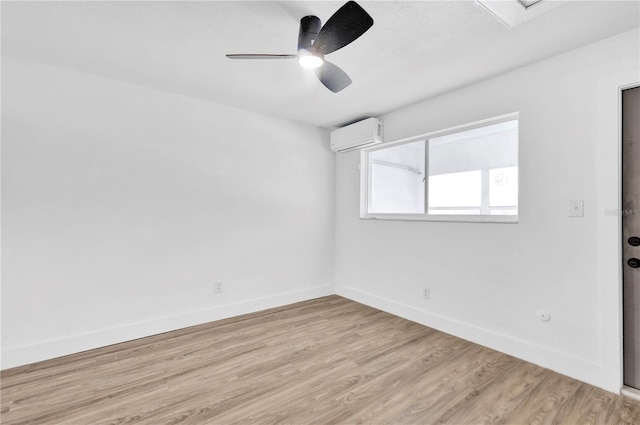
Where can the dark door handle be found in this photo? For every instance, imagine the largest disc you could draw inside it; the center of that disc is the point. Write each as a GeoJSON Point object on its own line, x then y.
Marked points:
{"type": "Point", "coordinates": [634, 241]}
{"type": "Point", "coordinates": [633, 262]}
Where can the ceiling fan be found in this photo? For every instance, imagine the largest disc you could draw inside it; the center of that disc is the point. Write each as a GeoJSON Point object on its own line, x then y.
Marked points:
{"type": "Point", "coordinates": [315, 41]}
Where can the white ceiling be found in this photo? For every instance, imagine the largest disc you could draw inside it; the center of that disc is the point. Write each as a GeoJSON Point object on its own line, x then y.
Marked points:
{"type": "Point", "coordinates": [415, 50]}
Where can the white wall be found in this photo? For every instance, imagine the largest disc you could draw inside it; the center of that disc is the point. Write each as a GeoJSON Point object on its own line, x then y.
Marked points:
{"type": "Point", "coordinates": [122, 205]}
{"type": "Point", "coordinates": [488, 280]}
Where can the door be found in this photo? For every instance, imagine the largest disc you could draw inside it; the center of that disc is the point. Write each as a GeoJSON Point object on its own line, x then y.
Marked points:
{"type": "Point", "coordinates": [631, 234]}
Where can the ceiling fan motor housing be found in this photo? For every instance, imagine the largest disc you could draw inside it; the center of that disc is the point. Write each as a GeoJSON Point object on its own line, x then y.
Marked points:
{"type": "Point", "coordinates": [309, 28]}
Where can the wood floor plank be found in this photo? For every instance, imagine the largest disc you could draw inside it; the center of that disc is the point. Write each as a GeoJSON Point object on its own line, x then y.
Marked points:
{"type": "Point", "coordinates": [322, 361]}
{"type": "Point", "coordinates": [541, 405]}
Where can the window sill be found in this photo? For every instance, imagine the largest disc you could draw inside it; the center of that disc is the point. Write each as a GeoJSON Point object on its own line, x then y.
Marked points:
{"type": "Point", "coordinates": [500, 219]}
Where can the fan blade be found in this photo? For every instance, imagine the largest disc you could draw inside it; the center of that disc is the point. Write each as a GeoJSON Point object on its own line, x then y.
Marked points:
{"type": "Point", "coordinates": [347, 24]}
{"type": "Point", "coordinates": [333, 78]}
{"type": "Point", "coordinates": [261, 56]}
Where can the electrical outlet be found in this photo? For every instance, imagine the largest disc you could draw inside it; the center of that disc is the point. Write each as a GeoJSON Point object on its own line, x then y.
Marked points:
{"type": "Point", "coordinates": [543, 315]}
{"type": "Point", "coordinates": [426, 293]}
{"type": "Point", "coordinates": [218, 287]}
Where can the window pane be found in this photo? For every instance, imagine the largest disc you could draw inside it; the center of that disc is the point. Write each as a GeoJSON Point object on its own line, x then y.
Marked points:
{"type": "Point", "coordinates": [503, 187]}
{"type": "Point", "coordinates": [455, 190]}
{"type": "Point", "coordinates": [468, 172]}
{"type": "Point", "coordinates": [396, 179]}
{"type": "Point", "coordinates": [476, 169]}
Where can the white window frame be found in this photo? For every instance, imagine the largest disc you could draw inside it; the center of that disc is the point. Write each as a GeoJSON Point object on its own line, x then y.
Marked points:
{"type": "Point", "coordinates": [477, 218]}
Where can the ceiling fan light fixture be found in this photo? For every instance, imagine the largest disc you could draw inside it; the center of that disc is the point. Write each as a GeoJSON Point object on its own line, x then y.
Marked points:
{"type": "Point", "coordinates": [316, 40]}
{"type": "Point", "coordinates": [310, 60]}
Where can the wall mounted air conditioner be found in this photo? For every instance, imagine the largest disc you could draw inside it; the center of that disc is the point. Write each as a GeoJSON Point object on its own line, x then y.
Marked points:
{"type": "Point", "coordinates": [357, 135]}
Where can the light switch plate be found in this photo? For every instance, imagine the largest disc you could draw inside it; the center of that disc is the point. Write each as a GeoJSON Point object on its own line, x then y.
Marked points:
{"type": "Point", "coordinates": [576, 208]}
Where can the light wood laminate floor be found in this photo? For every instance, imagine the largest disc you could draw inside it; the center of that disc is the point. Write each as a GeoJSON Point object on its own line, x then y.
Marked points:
{"type": "Point", "coordinates": [323, 361]}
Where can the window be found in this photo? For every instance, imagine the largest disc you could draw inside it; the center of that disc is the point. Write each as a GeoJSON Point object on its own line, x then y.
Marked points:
{"type": "Point", "coordinates": [465, 174]}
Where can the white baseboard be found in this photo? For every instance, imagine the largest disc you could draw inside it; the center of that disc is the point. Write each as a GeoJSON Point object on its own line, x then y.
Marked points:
{"type": "Point", "coordinates": [563, 363]}
{"type": "Point", "coordinates": [22, 355]}
{"type": "Point", "coordinates": [630, 392]}
{"type": "Point", "coordinates": [549, 358]}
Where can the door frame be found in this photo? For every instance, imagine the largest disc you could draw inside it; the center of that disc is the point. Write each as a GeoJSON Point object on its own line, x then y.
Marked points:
{"type": "Point", "coordinates": [632, 392]}
{"type": "Point", "coordinates": [608, 368]}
